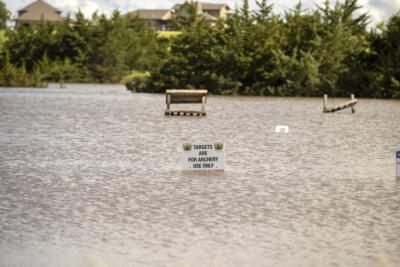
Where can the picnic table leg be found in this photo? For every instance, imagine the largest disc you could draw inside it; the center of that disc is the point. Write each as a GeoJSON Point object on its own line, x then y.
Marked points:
{"type": "Point", "coordinates": [168, 102]}
{"type": "Point", "coordinates": [203, 102]}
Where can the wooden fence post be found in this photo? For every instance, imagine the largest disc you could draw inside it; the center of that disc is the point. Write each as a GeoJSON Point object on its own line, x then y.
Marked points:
{"type": "Point", "coordinates": [353, 109]}
{"type": "Point", "coordinates": [325, 102]}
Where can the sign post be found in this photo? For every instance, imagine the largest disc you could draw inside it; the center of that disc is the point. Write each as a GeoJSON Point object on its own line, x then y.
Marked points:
{"type": "Point", "coordinates": [203, 156]}
{"type": "Point", "coordinates": [398, 164]}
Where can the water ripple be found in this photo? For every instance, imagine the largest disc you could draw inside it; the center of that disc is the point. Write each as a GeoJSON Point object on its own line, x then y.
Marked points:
{"type": "Point", "coordinates": [90, 176]}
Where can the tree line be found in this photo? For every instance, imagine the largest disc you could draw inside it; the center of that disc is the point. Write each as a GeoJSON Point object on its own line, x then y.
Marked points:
{"type": "Point", "coordinates": [328, 50]}
{"type": "Point", "coordinates": [97, 49]}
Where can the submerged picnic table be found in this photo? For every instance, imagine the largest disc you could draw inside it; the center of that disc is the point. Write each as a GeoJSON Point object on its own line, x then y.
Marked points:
{"type": "Point", "coordinates": [186, 96]}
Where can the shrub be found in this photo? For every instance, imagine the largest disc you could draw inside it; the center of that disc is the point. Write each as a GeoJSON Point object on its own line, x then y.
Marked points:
{"type": "Point", "coordinates": [139, 84]}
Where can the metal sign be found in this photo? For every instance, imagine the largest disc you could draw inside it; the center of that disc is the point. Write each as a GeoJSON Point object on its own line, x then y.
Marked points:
{"type": "Point", "coordinates": [398, 163]}
{"type": "Point", "coordinates": [203, 156]}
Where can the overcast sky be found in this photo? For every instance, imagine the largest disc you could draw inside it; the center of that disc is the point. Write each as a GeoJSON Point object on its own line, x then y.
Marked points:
{"type": "Point", "coordinates": [378, 9]}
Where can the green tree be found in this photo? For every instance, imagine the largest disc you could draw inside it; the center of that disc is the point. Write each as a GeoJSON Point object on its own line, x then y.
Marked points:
{"type": "Point", "coordinates": [27, 45]}
{"type": "Point", "coordinates": [4, 15]}
{"type": "Point", "coordinates": [187, 16]}
{"type": "Point", "coordinates": [263, 14]}
{"type": "Point", "coordinates": [390, 58]}
{"type": "Point", "coordinates": [13, 76]}
{"type": "Point", "coordinates": [343, 38]}
{"type": "Point", "coordinates": [295, 62]}
{"type": "Point", "coordinates": [102, 49]}
{"type": "Point", "coordinates": [193, 62]}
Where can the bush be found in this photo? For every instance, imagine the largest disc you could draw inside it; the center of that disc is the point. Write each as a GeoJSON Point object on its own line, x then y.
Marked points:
{"type": "Point", "coordinates": [139, 84]}
{"type": "Point", "coordinates": [12, 76]}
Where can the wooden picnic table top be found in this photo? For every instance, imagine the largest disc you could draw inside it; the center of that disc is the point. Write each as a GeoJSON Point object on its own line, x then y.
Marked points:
{"type": "Point", "coordinates": [187, 91]}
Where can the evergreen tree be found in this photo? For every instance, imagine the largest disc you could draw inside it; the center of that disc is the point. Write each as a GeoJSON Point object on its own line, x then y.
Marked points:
{"type": "Point", "coordinates": [4, 15]}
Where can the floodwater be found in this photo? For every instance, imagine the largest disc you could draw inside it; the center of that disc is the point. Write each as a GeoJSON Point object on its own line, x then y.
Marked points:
{"type": "Point", "coordinates": [90, 176]}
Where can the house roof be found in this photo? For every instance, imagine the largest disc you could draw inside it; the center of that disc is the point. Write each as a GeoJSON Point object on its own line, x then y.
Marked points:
{"type": "Point", "coordinates": [204, 6]}
{"type": "Point", "coordinates": [39, 10]}
{"type": "Point", "coordinates": [211, 6]}
{"type": "Point", "coordinates": [167, 14]}
{"type": "Point", "coordinates": [160, 14]}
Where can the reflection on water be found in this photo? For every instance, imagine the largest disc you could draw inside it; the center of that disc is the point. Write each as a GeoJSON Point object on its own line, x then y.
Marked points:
{"type": "Point", "coordinates": [89, 176]}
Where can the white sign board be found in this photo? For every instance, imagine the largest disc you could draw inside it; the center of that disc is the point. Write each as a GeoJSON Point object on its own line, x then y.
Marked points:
{"type": "Point", "coordinates": [282, 129]}
{"type": "Point", "coordinates": [207, 156]}
{"type": "Point", "coordinates": [398, 163]}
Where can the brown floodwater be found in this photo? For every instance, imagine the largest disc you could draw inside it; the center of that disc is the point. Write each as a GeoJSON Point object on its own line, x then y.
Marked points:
{"type": "Point", "coordinates": [91, 175]}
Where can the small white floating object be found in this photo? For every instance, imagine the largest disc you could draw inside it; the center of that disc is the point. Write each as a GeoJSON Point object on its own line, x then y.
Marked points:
{"type": "Point", "coordinates": [282, 129]}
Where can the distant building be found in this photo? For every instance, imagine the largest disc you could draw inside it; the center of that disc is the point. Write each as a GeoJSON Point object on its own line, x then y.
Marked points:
{"type": "Point", "coordinates": [161, 19]}
{"type": "Point", "coordinates": [37, 12]}
{"type": "Point", "coordinates": [211, 11]}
